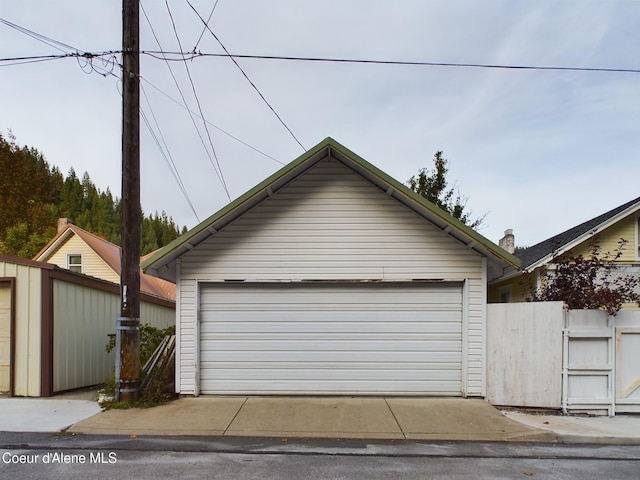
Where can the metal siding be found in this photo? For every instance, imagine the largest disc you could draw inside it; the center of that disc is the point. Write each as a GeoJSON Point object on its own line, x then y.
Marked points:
{"type": "Point", "coordinates": [5, 337]}
{"type": "Point", "coordinates": [331, 338]}
{"type": "Point", "coordinates": [83, 319]}
{"type": "Point", "coordinates": [331, 224]}
{"type": "Point", "coordinates": [27, 366]}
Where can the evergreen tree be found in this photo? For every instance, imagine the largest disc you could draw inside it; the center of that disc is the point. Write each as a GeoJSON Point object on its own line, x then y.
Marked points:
{"type": "Point", "coordinates": [34, 195]}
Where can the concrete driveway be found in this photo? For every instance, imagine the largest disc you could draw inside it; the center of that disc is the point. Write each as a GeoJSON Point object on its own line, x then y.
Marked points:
{"type": "Point", "coordinates": [54, 414]}
{"type": "Point", "coordinates": [318, 417]}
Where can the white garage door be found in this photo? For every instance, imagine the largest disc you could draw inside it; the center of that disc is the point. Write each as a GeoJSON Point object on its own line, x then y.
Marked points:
{"type": "Point", "coordinates": [328, 338]}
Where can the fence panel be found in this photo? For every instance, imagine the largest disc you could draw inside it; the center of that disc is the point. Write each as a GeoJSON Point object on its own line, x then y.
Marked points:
{"type": "Point", "coordinates": [524, 354]}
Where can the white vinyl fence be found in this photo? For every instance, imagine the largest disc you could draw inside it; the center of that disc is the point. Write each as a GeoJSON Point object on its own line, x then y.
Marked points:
{"type": "Point", "coordinates": [580, 361]}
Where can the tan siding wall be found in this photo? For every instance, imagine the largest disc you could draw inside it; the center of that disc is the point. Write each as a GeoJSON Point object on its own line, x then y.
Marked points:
{"type": "Point", "coordinates": [330, 224]}
{"type": "Point", "coordinates": [608, 240]}
{"type": "Point", "coordinates": [83, 319]}
{"type": "Point", "coordinates": [519, 288]}
{"type": "Point", "coordinates": [27, 366]}
{"type": "Point", "coordinates": [92, 264]}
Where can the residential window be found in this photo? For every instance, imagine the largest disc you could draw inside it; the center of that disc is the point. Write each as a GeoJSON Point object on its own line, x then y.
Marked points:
{"type": "Point", "coordinates": [74, 263]}
{"type": "Point", "coordinates": [505, 294]}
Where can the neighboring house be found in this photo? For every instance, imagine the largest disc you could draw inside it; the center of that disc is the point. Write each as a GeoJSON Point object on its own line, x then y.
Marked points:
{"type": "Point", "coordinates": [330, 277]}
{"type": "Point", "coordinates": [55, 324]}
{"type": "Point", "coordinates": [77, 250]}
{"type": "Point", "coordinates": [606, 230]}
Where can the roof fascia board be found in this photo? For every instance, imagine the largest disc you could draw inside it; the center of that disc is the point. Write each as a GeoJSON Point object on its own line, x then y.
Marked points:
{"type": "Point", "coordinates": [54, 244]}
{"type": "Point", "coordinates": [585, 236]}
{"type": "Point", "coordinates": [238, 207]}
{"type": "Point", "coordinates": [334, 150]}
{"type": "Point", "coordinates": [453, 227]}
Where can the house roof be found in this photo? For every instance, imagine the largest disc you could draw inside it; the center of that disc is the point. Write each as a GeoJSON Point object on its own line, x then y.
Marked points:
{"type": "Point", "coordinates": [543, 252]}
{"type": "Point", "coordinates": [163, 262]}
{"type": "Point", "coordinates": [110, 254]}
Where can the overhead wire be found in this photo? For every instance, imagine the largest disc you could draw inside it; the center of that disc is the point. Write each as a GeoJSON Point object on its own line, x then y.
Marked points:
{"type": "Point", "coordinates": [77, 53]}
{"type": "Point", "coordinates": [195, 47]}
{"type": "Point", "coordinates": [162, 55]}
{"type": "Point", "coordinates": [246, 76]}
{"type": "Point", "coordinates": [214, 161]}
{"type": "Point", "coordinates": [166, 153]}
{"type": "Point", "coordinates": [239, 140]}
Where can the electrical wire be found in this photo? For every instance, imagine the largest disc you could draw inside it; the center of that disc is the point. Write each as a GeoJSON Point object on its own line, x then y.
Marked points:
{"type": "Point", "coordinates": [166, 153]}
{"type": "Point", "coordinates": [239, 140]}
{"type": "Point", "coordinates": [195, 94]}
{"type": "Point", "coordinates": [246, 76]}
{"type": "Point", "coordinates": [162, 55]}
{"type": "Point", "coordinates": [205, 26]}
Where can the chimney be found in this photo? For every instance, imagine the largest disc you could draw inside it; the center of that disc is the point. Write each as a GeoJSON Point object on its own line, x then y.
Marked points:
{"type": "Point", "coordinates": [62, 224]}
{"type": "Point", "coordinates": [508, 242]}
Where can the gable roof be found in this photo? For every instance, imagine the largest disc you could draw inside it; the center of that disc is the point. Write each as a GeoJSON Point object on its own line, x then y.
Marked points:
{"type": "Point", "coordinates": [163, 262]}
{"type": "Point", "coordinates": [543, 252]}
{"type": "Point", "coordinates": [110, 254]}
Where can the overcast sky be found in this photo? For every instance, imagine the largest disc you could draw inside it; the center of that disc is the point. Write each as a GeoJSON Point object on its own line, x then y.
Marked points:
{"type": "Point", "coordinates": [538, 151]}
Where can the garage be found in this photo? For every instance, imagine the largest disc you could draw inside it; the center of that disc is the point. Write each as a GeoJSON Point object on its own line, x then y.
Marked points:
{"type": "Point", "coordinates": [331, 338]}
{"type": "Point", "coordinates": [330, 278]}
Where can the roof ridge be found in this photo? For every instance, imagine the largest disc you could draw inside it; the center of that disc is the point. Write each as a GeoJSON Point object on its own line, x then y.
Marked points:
{"type": "Point", "coordinates": [537, 252]}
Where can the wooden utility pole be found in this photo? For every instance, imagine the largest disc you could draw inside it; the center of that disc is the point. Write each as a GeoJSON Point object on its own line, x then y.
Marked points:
{"type": "Point", "coordinates": [128, 323]}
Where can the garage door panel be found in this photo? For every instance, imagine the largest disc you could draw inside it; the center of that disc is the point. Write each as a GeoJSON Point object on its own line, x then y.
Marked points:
{"type": "Point", "coordinates": [284, 358]}
{"type": "Point", "coordinates": [334, 345]}
{"type": "Point", "coordinates": [331, 338]}
{"type": "Point", "coordinates": [336, 387]}
{"type": "Point", "coordinates": [235, 324]}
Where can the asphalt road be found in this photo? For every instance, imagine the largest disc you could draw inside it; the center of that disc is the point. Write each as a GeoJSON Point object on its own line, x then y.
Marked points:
{"type": "Point", "coordinates": [35, 456]}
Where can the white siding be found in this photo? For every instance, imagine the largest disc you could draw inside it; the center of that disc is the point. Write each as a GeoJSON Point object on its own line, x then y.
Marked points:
{"type": "Point", "coordinates": [331, 224]}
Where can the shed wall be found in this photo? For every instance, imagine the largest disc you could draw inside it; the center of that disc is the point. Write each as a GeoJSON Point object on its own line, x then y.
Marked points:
{"type": "Point", "coordinates": [83, 319]}
{"type": "Point", "coordinates": [28, 327]}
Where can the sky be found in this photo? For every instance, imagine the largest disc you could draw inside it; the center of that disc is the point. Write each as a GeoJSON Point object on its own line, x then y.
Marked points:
{"type": "Point", "coordinates": [536, 151]}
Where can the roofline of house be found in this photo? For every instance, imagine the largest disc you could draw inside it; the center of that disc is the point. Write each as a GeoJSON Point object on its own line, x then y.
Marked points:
{"type": "Point", "coordinates": [583, 237]}
{"type": "Point", "coordinates": [157, 264]}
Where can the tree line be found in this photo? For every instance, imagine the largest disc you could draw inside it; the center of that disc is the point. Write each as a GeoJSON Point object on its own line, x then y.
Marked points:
{"type": "Point", "coordinates": [34, 194]}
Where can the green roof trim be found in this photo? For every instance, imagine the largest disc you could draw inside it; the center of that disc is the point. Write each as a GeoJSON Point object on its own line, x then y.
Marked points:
{"type": "Point", "coordinates": [183, 243]}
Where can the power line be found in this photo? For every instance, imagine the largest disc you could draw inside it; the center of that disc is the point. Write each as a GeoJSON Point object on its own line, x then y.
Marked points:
{"type": "Point", "coordinates": [162, 55]}
{"type": "Point", "coordinates": [246, 76]}
{"type": "Point", "coordinates": [195, 94]}
{"type": "Point", "coordinates": [239, 140]}
{"type": "Point", "coordinates": [168, 158]}
{"type": "Point", "coordinates": [205, 26]}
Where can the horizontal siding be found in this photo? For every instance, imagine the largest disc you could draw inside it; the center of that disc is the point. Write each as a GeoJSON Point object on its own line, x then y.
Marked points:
{"type": "Point", "coordinates": [476, 311]}
{"type": "Point", "coordinates": [608, 240]}
{"type": "Point", "coordinates": [92, 263]}
{"type": "Point", "coordinates": [328, 224]}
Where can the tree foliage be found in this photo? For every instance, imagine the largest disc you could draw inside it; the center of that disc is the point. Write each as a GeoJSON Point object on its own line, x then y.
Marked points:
{"type": "Point", "coordinates": [592, 282]}
{"type": "Point", "coordinates": [432, 185]}
{"type": "Point", "coordinates": [33, 195]}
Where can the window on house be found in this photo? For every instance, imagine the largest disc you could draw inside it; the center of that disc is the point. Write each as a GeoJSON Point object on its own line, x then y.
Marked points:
{"type": "Point", "coordinates": [505, 294]}
{"type": "Point", "coordinates": [74, 263]}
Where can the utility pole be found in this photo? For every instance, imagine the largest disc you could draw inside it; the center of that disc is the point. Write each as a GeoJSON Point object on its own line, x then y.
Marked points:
{"type": "Point", "coordinates": [128, 323]}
